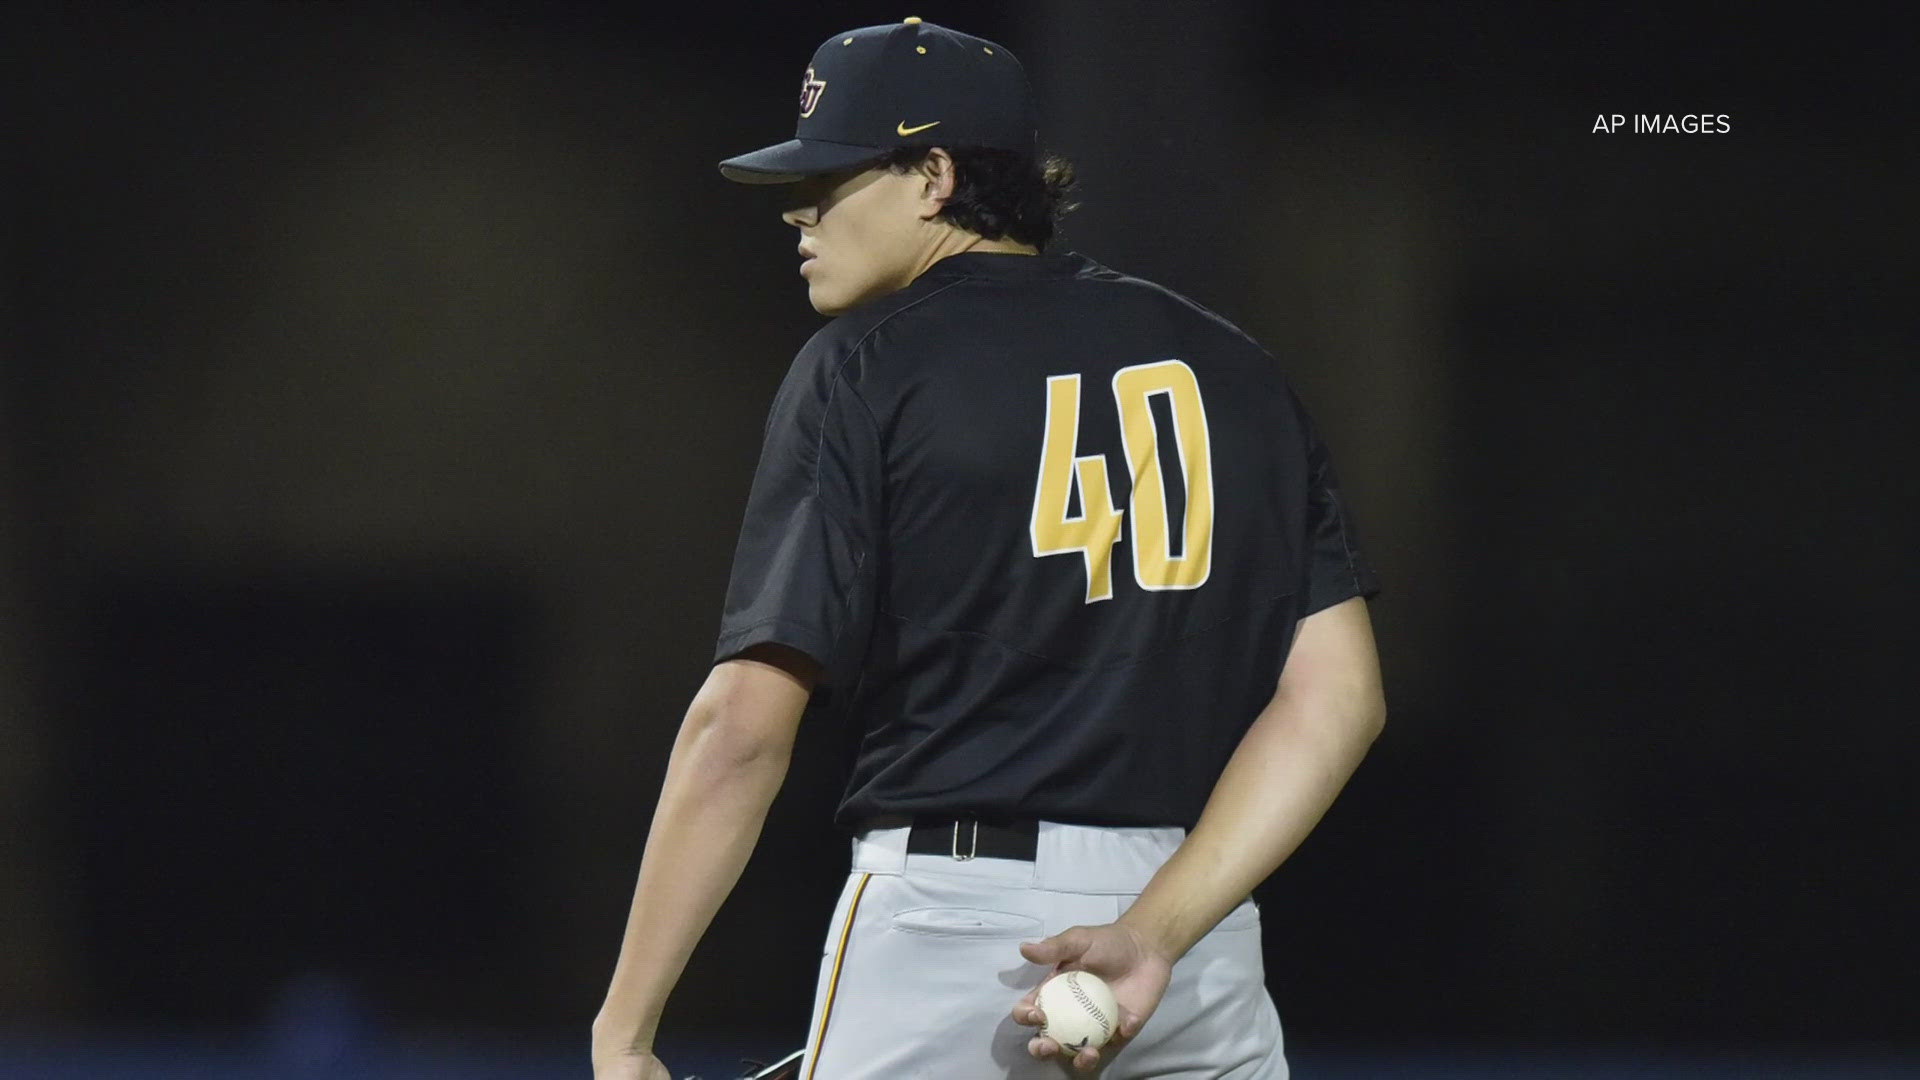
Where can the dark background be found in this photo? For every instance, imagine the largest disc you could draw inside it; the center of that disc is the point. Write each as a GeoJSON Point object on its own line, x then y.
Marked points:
{"type": "Point", "coordinates": [382, 384]}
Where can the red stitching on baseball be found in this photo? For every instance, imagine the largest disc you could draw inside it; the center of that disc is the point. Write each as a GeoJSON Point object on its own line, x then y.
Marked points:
{"type": "Point", "coordinates": [1073, 983]}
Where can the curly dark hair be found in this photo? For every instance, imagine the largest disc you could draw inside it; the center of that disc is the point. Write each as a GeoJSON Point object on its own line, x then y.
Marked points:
{"type": "Point", "coordinates": [1000, 193]}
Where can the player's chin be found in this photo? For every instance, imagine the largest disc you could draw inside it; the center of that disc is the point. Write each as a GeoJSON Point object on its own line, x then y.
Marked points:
{"type": "Point", "coordinates": [825, 299]}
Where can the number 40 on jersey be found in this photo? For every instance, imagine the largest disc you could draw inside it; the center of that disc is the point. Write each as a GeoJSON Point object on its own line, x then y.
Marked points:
{"type": "Point", "coordinates": [1093, 532]}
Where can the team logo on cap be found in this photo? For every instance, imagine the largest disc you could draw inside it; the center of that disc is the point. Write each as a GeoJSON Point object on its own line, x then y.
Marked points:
{"type": "Point", "coordinates": [810, 89]}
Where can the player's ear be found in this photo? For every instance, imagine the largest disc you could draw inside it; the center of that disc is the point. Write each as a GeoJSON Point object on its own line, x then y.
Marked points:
{"type": "Point", "coordinates": [937, 173]}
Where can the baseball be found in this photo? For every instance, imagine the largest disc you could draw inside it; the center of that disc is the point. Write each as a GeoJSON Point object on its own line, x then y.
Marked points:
{"type": "Point", "coordinates": [1080, 1010]}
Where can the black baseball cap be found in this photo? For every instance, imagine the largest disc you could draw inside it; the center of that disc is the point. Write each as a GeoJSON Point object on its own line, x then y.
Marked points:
{"type": "Point", "coordinates": [878, 88]}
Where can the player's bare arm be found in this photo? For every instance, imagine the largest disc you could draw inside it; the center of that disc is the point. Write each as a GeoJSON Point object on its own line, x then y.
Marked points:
{"type": "Point", "coordinates": [728, 762]}
{"type": "Point", "coordinates": [1326, 711]}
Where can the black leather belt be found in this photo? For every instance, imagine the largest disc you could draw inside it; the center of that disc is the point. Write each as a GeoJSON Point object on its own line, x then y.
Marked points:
{"type": "Point", "coordinates": [966, 838]}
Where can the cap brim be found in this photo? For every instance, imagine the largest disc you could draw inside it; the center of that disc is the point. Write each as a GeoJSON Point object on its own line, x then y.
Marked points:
{"type": "Point", "coordinates": [796, 159]}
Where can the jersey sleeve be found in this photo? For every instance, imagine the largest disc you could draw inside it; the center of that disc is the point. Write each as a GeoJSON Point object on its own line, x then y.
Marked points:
{"type": "Point", "coordinates": [1336, 568]}
{"type": "Point", "coordinates": [803, 567]}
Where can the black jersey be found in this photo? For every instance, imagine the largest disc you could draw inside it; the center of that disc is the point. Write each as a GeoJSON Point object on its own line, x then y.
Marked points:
{"type": "Point", "coordinates": [1048, 529]}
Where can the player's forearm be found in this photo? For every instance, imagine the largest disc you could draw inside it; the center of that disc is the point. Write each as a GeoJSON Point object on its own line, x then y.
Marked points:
{"type": "Point", "coordinates": [1285, 773]}
{"type": "Point", "coordinates": [712, 807]}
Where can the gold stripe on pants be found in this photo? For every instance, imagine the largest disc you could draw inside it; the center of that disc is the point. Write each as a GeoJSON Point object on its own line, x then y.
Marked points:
{"type": "Point", "coordinates": [833, 981]}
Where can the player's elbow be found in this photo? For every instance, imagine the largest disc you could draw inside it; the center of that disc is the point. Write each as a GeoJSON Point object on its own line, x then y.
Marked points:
{"type": "Point", "coordinates": [1358, 709]}
{"type": "Point", "coordinates": [1348, 710]}
{"type": "Point", "coordinates": [721, 740]}
{"type": "Point", "coordinates": [1369, 716]}
{"type": "Point", "coordinates": [745, 716]}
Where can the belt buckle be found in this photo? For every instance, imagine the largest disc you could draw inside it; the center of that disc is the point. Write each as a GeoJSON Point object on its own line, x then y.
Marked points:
{"type": "Point", "coordinates": [973, 841]}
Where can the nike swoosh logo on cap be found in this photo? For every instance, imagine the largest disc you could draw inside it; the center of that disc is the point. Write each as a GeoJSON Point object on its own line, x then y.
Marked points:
{"type": "Point", "coordinates": [902, 129]}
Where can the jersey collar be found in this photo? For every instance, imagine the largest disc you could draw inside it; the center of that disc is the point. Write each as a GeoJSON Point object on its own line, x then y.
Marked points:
{"type": "Point", "coordinates": [1002, 264]}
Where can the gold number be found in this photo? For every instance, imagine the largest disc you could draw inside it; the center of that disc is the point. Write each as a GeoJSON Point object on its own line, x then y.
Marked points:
{"type": "Point", "coordinates": [1096, 529]}
{"type": "Point", "coordinates": [1154, 567]}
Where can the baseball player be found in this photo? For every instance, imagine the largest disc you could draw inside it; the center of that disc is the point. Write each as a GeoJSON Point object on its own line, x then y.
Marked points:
{"type": "Point", "coordinates": [1068, 551]}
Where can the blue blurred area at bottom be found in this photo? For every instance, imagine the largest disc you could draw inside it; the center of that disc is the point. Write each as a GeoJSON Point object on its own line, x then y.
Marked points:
{"type": "Point", "coordinates": [28, 1056]}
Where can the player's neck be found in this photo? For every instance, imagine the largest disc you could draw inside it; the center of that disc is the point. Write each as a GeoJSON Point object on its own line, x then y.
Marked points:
{"type": "Point", "coordinates": [951, 241]}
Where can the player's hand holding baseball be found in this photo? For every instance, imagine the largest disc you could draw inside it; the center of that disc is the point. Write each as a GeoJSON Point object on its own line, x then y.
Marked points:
{"type": "Point", "coordinates": [1119, 954]}
{"type": "Point", "coordinates": [627, 1065]}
